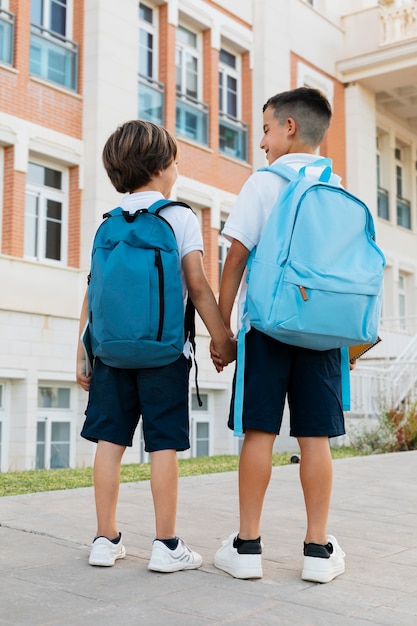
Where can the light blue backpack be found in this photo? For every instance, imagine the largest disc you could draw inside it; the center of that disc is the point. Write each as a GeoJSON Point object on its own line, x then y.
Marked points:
{"type": "Point", "coordinates": [135, 295]}
{"type": "Point", "coordinates": [315, 278]}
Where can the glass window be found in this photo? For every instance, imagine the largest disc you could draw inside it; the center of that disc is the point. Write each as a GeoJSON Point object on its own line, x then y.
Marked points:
{"type": "Point", "coordinates": [402, 301]}
{"type": "Point", "coordinates": [51, 14]}
{"type": "Point", "coordinates": [228, 84]}
{"type": "Point", "coordinates": [45, 213]}
{"type": "Point", "coordinates": [60, 445]}
{"type": "Point", "coordinates": [194, 402]}
{"type": "Point", "coordinates": [187, 63]}
{"type": "Point", "coordinates": [54, 397]}
{"type": "Point", "coordinates": [224, 246]}
{"type": "Point", "coordinates": [40, 445]}
{"type": "Point", "coordinates": [147, 38]}
{"type": "Point", "coordinates": [202, 439]}
{"type": "Point", "coordinates": [53, 444]}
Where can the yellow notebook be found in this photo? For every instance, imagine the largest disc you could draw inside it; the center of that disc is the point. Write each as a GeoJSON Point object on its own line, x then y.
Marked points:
{"type": "Point", "coordinates": [356, 351]}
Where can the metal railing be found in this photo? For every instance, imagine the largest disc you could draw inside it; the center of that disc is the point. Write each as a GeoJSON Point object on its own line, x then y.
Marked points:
{"type": "Point", "coordinates": [6, 36]}
{"type": "Point", "coordinates": [386, 384]}
{"type": "Point", "coordinates": [192, 119]}
{"type": "Point", "coordinates": [151, 100]}
{"type": "Point", "coordinates": [53, 57]}
{"type": "Point", "coordinates": [233, 137]}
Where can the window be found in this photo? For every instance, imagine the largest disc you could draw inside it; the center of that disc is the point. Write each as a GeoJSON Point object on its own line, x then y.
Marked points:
{"type": "Point", "coordinates": [151, 92]}
{"type": "Point", "coordinates": [402, 300]}
{"type": "Point", "coordinates": [224, 245]}
{"type": "Point", "coordinates": [54, 397]}
{"type": "Point", "coordinates": [232, 132]}
{"type": "Point", "coordinates": [53, 445]}
{"type": "Point", "coordinates": [50, 13]}
{"type": "Point", "coordinates": [45, 213]}
{"type": "Point", "coordinates": [383, 195]}
{"type": "Point", "coordinates": [200, 426]}
{"type": "Point", "coordinates": [403, 205]}
{"type": "Point", "coordinates": [54, 428]}
{"type": "Point", "coordinates": [191, 114]}
{"type": "Point", "coordinates": [53, 56]}
{"type": "Point", "coordinates": [6, 36]}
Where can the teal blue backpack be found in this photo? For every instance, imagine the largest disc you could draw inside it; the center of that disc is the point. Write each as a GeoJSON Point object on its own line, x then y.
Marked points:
{"type": "Point", "coordinates": [135, 296]}
{"type": "Point", "coordinates": [315, 278]}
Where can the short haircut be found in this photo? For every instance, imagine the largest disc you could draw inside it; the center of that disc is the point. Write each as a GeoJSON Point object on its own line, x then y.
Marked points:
{"type": "Point", "coordinates": [135, 152]}
{"type": "Point", "coordinates": [308, 107]}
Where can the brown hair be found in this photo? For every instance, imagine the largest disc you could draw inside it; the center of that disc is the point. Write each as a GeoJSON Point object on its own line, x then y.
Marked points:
{"type": "Point", "coordinates": [135, 152]}
{"type": "Point", "coordinates": [308, 107]}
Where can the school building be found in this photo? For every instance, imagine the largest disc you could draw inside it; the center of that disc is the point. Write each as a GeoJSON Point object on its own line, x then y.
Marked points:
{"type": "Point", "coordinates": [72, 70]}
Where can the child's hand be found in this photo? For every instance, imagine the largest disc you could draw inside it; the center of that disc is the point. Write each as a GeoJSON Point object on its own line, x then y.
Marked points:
{"type": "Point", "coordinates": [223, 353]}
{"type": "Point", "coordinates": [82, 379]}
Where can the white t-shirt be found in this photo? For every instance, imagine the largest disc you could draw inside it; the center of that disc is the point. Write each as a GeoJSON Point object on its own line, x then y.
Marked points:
{"type": "Point", "coordinates": [254, 204]}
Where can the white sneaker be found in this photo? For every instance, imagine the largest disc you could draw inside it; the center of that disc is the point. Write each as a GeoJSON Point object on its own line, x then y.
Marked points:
{"type": "Point", "coordinates": [165, 560]}
{"type": "Point", "coordinates": [104, 552]}
{"type": "Point", "coordinates": [323, 563]}
{"type": "Point", "coordinates": [238, 565]}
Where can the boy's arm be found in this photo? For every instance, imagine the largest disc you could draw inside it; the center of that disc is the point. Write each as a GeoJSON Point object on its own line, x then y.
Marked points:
{"type": "Point", "coordinates": [82, 379]}
{"type": "Point", "coordinates": [206, 305]}
{"type": "Point", "coordinates": [233, 269]}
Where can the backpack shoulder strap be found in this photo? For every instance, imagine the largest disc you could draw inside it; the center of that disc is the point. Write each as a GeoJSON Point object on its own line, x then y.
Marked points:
{"type": "Point", "coordinates": [290, 174]}
{"type": "Point", "coordinates": [157, 206]}
{"type": "Point", "coordinates": [117, 211]}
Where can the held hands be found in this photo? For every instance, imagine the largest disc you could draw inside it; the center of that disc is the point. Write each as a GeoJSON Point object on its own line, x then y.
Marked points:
{"type": "Point", "coordinates": [223, 353]}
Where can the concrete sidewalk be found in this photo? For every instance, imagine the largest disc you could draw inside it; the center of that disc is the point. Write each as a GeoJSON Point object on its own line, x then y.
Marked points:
{"type": "Point", "coordinates": [45, 577]}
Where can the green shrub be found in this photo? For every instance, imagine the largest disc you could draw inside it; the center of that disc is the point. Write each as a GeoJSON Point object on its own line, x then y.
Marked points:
{"type": "Point", "coordinates": [395, 431]}
{"type": "Point", "coordinates": [403, 421]}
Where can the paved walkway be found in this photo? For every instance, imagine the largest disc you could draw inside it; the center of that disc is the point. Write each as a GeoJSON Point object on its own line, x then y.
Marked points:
{"type": "Point", "coordinates": [45, 578]}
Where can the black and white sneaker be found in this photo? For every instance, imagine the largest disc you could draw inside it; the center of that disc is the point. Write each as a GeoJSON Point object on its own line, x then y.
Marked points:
{"type": "Point", "coordinates": [323, 563]}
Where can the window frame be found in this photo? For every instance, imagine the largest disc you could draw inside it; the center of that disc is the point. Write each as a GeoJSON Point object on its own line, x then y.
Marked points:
{"type": "Point", "coordinates": [225, 71]}
{"type": "Point", "coordinates": [200, 415]}
{"type": "Point", "coordinates": [150, 28]}
{"type": "Point", "coordinates": [195, 52]}
{"type": "Point", "coordinates": [46, 11]}
{"type": "Point", "coordinates": [43, 193]}
{"type": "Point", "coordinates": [49, 417]}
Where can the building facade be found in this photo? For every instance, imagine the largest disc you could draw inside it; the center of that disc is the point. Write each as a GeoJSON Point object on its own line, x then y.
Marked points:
{"type": "Point", "coordinates": [72, 70]}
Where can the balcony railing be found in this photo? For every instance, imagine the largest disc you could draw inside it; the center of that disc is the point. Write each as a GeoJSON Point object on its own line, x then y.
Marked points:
{"type": "Point", "coordinates": [233, 137]}
{"type": "Point", "coordinates": [383, 203]}
{"type": "Point", "coordinates": [53, 57]}
{"type": "Point", "coordinates": [398, 23]}
{"type": "Point", "coordinates": [151, 100]}
{"type": "Point", "coordinates": [6, 36]}
{"type": "Point", "coordinates": [192, 119]}
{"type": "Point", "coordinates": [403, 212]}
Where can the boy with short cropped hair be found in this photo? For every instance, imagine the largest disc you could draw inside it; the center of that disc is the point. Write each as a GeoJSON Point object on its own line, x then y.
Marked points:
{"type": "Point", "coordinates": [294, 125]}
{"type": "Point", "coordinates": [141, 161]}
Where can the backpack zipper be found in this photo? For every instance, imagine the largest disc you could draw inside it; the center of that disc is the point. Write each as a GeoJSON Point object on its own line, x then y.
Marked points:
{"type": "Point", "coordinates": [303, 293]}
{"type": "Point", "coordinates": [159, 266]}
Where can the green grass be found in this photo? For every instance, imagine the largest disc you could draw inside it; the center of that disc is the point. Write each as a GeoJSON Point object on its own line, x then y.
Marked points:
{"type": "Point", "coordinates": [17, 483]}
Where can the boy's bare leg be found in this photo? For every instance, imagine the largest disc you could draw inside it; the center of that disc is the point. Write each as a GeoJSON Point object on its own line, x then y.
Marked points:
{"type": "Point", "coordinates": [164, 486]}
{"type": "Point", "coordinates": [106, 487]}
{"type": "Point", "coordinates": [316, 474]}
{"type": "Point", "coordinates": [255, 467]}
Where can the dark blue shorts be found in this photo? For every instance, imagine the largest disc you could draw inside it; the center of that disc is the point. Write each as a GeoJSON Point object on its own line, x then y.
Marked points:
{"type": "Point", "coordinates": [118, 397]}
{"type": "Point", "coordinates": [310, 378]}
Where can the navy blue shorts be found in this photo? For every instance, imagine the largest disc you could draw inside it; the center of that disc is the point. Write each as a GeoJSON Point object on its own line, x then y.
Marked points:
{"type": "Point", "coordinates": [118, 397]}
{"type": "Point", "coordinates": [310, 378]}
